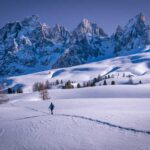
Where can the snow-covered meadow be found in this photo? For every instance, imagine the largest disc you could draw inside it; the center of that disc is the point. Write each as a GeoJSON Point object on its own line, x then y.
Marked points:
{"type": "Point", "coordinates": [112, 117]}
{"type": "Point", "coordinates": [77, 123]}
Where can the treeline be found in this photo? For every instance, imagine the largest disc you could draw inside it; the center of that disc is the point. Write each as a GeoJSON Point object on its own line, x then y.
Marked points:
{"type": "Point", "coordinates": [38, 86]}
{"type": "Point", "coordinates": [13, 91]}
{"type": "Point", "coordinates": [96, 81]}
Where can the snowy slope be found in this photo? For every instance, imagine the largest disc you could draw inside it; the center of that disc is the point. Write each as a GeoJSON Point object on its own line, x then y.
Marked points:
{"type": "Point", "coordinates": [137, 65]}
{"type": "Point", "coordinates": [89, 124]}
{"type": "Point", "coordinates": [112, 117]}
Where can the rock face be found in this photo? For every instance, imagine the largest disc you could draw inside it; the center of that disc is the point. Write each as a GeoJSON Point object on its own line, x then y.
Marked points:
{"type": "Point", "coordinates": [136, 34]}
{"type": "Point", "coordinates": [30, 46]}
{"type": "Point", "coordinates": [87, 28]}
{"type": "Point", "coordinates": [85, 45]}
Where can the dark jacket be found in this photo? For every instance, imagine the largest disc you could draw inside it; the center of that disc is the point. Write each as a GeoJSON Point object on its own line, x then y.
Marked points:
{"type": "Point", "coordinates": [51, 106]}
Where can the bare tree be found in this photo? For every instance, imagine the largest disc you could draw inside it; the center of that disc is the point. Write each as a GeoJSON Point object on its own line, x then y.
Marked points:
{"type": "Point", "coordinates": [3, 97]}
{"type": "Point", "coordinates": [38, 86]}
{"type": "Point", "coordinates": [47, 85]}
{"type": "Point", "coordinates": [41, 87]}
{"type": "Point", "coordinates": [44, 94]}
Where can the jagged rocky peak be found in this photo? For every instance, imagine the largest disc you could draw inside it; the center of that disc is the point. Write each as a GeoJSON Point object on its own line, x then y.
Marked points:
{"type": "Point", "coordinates": [141, 17]}
{"type": "Point", "coordinates": [86, 27]}
{"type": "Point", "coordinates": [137, 28]}
{"type": "Point", "coordinates": [59, 33]}
{"type": "Point", "coordinates": [11, 30]}
{"type": "Point", "coordinates": [44, 26]}
{"type": "Point", "coordinates": [29, 43]}
{"type": "Point", "coordinates": [57, 28]}
{"type": "Point", "coordinates": [118, 32]}
{"type": "Point", "coordinates": [85, 23]}
{"type": "Point", "coordinates": [138, 21]}
{"type": "Point", "coordinates": [60, 29]}
{"type": "Point", "coordinates": [134, 35]}
{"type": "Point", "coordinates": [30, 21]}
{"type": "Point", "coordinates": [119, 29]}
{"type": "Point", "coordinates": [45, 30]}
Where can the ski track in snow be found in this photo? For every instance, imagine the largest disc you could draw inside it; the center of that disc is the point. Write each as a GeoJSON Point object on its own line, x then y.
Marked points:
{"type": "Point", "coordinates": [88, 119]}
{"type": "Point", "coordinates": [107, 123]}
{"type": "Point", "coordinates": [2, 132]}
{"type": "Point", "coordinates": [30, 117]}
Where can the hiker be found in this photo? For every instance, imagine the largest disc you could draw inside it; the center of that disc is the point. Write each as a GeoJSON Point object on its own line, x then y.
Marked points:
{"type": "Point", "coordinates": [51, 107]}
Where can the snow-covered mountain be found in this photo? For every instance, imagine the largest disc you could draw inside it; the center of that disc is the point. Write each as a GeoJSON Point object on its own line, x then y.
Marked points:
{"type": "Point", "coordinates": [135, 35]}
{"type": "Point", "coordinates": [87, 28]}
{"type": "Point", "coordinates": [30, 46]}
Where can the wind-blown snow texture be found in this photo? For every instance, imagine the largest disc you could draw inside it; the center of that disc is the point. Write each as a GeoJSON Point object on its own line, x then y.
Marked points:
{"type": "Point", "coordinates": [30, 46]}
{"type": "Point", "coordinates": [77, 124]}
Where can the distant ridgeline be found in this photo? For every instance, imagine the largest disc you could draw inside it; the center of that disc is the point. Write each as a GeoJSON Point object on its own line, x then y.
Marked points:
{"type": "Point", "coordinates": [30, 46]}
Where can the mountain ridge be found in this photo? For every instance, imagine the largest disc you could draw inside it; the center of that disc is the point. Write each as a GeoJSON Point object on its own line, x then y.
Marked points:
{"type": "Point", "coordinates": [34, 46]}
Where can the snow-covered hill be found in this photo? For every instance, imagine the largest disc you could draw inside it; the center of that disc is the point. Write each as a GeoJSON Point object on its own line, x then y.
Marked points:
{"type": "Point", "coordinates": [30, 46]}
{"type": "Point", "coordinates": [118, 68]}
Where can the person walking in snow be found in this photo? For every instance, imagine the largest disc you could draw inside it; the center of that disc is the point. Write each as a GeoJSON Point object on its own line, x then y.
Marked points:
{"type": "Point", "coordinates": [51, 108]}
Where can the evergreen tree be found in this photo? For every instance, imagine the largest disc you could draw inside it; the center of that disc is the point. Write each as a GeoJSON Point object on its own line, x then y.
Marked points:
{"type": "Point", "coordinates": [61, 82]}
{"type": "Point", "coordinates": [84, 84]}
{"type": "Point", "coordinates": [78, 85]}
{"type": "Point", "coordinates": [130, 79]}
{"type": "Point", "coordinates": [94, 80]}
{"type": "Point", "coordinates": [113, 83]}
{"type": "Point", "coordinates": [99, 78]}
{"type": "Point", "coordinates": [124, 75]}
{"type": "Point", "coordinates": [88, 83]}
{"type": "Point", "coordinates": [108, 76]}
{"type": "Point", "coordinates": [105, 83]}
{"type": "Point", "coordinates": [68, 85]}
{"type": "Point", "coordinates": [10, 91]}
{"type": "Point", "coordinates": [19, 90]}
{"type": "Point", "coordinates": [57, 82]}
{"type": "Point", "coordinates": [93, 83]}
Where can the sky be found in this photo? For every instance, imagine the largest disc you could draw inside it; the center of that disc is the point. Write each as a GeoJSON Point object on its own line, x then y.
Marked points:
{"type": "Point", "coordinates": [108, 14]}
